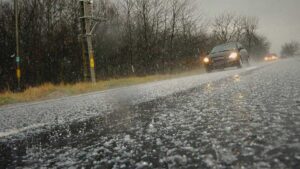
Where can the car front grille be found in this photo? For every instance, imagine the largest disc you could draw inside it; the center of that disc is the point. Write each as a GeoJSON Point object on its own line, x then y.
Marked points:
{"type": "Point", "coordinates": [219, 60]}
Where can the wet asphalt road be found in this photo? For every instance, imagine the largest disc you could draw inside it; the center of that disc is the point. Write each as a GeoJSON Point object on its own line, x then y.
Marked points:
{"type": "Point", "coordinates": [247, 118]}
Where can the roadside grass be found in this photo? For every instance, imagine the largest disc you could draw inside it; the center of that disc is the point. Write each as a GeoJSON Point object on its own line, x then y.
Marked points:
{"type": "Point", "coordinates": [51, 91]}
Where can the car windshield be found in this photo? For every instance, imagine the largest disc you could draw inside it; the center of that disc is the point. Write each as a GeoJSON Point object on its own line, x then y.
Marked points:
{"type": "Point", "coordinates": [224, 47]}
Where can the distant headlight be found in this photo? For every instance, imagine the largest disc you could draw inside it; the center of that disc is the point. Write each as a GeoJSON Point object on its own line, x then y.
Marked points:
{"type": "Point", "coordinates": [266, 58]}
{"type": "Point", "coordinates": [233, 56]}
{"type": "Point", "coordinates": [206, 60]}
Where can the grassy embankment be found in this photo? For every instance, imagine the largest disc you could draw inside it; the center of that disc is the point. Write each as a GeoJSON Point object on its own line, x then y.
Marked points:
{"type": "Point", "coordinates": [50, 91]}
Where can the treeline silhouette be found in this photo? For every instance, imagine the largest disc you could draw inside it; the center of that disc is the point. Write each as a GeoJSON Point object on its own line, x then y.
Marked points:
{"type": "Point", "coordinates": [139, 37]}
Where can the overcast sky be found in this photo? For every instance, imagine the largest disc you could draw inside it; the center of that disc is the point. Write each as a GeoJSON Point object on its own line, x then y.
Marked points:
{"type": "Point", "coordinates": [279, 19]}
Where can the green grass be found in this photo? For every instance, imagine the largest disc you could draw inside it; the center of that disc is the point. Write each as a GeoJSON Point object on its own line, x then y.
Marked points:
{"type": "Point", "coordinates": [51, 91]}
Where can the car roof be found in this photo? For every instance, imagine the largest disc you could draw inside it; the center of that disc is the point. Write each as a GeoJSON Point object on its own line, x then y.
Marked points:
{"type": "Point", "coordinates": [231, 45]}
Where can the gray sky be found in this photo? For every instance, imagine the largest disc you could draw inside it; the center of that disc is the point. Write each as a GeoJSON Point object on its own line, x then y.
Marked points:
{"type": "Point", "coordinates": [279, 20]}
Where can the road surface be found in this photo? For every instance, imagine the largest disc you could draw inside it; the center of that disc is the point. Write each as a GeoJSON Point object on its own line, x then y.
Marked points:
{"type": "Point", "coordinates": [239, 118]}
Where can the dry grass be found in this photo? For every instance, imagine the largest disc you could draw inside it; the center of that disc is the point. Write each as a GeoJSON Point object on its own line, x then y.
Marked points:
{"type": "Point", "coordinates": [50, 91]}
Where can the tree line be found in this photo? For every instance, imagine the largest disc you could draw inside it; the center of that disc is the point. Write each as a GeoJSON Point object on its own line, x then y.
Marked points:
{"type": "Point", "coordinates": [290, 49]}
{"type": "Point", "coordinates": [139, 37]}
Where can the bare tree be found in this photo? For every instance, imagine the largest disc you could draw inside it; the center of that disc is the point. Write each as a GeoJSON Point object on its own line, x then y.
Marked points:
{"type": "Point", "coordinates": [250, 25]}
{"type": "Point", "coordinates": [128, 6]}
{"type": "Point", "coordinates": [177, 7]}
{"type": "Point", "coordinates": [227, 27]}
{"type": "Point", "coordinates": [290, 49]}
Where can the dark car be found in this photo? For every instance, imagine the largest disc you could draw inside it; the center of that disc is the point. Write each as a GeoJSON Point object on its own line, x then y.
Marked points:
{"type": "Point", "coordinates": [226, 55]}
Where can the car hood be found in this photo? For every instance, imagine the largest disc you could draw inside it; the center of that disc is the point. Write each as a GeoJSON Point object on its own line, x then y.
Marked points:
{"type": "Point", "coordinates": [221, 54]}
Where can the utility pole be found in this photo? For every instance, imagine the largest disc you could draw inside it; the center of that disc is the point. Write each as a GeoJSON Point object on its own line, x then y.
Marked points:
{"type": "Point", "coordinates": [86, 7]}
{"type": "Point", "coordinates": [18, 70]}
{"type": "Point", "coordinates": [85, 69]}
{"type": "Point", "coordinates": [83, 41]}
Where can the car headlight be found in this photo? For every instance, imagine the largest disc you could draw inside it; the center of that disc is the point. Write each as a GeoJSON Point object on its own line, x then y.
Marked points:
{"type": "Point", "coordinates": [266, 58]}
{"type": "Point", "coordinates": [206, 60]}
{"type": "Point", "coordinates": [233, 56]}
